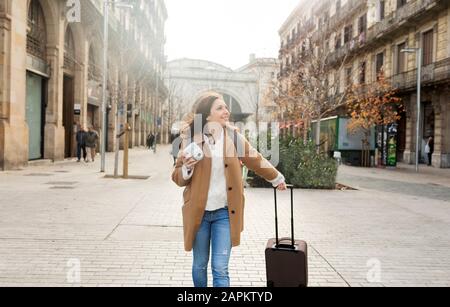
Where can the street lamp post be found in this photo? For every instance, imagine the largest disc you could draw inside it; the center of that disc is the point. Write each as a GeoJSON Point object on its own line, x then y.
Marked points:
{"type": "Point", "coordinates": [106, 5]}
{"type": "Point", "coordinates": [418, 52]}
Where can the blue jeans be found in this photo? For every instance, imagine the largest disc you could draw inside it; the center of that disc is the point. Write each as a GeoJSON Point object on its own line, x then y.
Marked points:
{"type": "Point", "coordinates": [214, 232]}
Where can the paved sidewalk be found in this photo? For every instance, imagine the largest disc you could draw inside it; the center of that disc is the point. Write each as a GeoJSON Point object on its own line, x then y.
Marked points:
{"type": "Point", "coordinates": [429, 183]}
{"type": "Point", "coordinates": [58, 217]}
{"type": "Point", "coordinates": [403, 173]}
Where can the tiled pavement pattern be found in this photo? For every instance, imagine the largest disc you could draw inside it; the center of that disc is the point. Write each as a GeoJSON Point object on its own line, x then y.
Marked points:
{"type": "Point", "coordinates": [56, 218]}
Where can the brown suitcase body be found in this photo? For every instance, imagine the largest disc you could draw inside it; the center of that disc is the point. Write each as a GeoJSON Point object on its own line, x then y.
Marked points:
{"type": "Point", "coordinates": [286, 258]}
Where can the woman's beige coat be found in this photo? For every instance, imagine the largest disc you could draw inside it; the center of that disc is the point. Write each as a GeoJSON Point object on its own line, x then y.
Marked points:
{"type": "Point", "coordinates": [196, 189]}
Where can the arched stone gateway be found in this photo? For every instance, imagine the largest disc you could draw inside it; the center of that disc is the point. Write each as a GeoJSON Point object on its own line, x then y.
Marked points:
{"type": "Point", "coordinates": [233, 104]}
{"type": "Point", "coordinates": [242, 89]}
{"type": "Point", "coordinates": [235, 108]}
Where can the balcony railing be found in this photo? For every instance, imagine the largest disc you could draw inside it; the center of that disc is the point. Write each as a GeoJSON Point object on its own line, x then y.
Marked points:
{"type": "Point", "coordinates": [343, 14]}
{"type": "Point", "coordinates": [300, 35]}
{"type": "Point", "coordinates": [397, 18]}
{"type": "Point", "coordinates": [345, 50]}
{"type": "Point", "coordinates": [436, 72]}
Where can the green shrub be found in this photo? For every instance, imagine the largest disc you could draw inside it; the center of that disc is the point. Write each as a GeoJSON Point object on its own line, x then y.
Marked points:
{"type": "Point", "coordinates": [302, 166]}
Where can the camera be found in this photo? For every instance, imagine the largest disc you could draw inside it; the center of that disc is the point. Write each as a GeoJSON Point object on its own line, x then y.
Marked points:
{"type": "Point", "coordinates": [194, 151]}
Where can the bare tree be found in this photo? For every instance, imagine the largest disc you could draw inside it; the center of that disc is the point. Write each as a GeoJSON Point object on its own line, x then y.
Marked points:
{"type": "Point", "coordinates": [176, 105]}
{"type": "Point", "coordinates": [311, 88]}
{"type": "Point", "coordinates": [259, 95]}
{"type": "Point", "coordinates": [317, 86]}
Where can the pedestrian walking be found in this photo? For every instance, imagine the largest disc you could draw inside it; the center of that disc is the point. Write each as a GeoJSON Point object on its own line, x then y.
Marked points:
{"type": "Point", "coordinates": [81, 143]}
{"type": "Point", "coordinates": [91, 143]}
{"type": "Point", "coordinates": [151, 140]}
{"type": "Point", "coordinates": [429, 150]}
{"type": "Point", "coordinates": [213, 211]}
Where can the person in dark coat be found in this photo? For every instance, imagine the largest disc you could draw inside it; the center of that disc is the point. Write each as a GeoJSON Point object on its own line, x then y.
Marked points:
{"type": "Point", "coordinates": [430, 150]}
{"type": "Point", "coordinates": [150, 140]}
{"type": "Point", "coordinates": [81, 143]}
{"type": "Point", "coordinates": [147, 141]}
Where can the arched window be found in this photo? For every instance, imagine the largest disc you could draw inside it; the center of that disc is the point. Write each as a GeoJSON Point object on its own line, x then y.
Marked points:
{"type": "Point", "coordinates": [69, 50]}
{"type": "Point", "coordinates": [93, 70]}
{"type": "Point", "coordinates": [36, 36]}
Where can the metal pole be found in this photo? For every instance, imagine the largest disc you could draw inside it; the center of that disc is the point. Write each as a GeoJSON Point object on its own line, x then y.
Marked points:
{"type": "Point", "coordinates": [125, 151]}
{"type": "Point", "coordinates": [117, 139]}
{"type": "Point", "coordinates": [419, 87]}
{"type": "Point", "coordinates": [276, 218]}
{"type": "Point", "coordinates": [105, 80]}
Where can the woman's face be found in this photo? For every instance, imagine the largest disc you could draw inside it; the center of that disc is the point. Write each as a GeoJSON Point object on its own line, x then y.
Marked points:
{"type": "Point", "coordinates": [219, 113]}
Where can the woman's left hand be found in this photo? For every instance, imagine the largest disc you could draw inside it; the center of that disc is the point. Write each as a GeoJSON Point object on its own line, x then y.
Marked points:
{"type": "Point", "coordinates": [282, 187]}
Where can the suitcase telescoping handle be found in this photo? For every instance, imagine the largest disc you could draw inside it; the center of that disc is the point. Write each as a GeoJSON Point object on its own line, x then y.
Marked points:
{"type": "Point", "coordinates": [292, 246]}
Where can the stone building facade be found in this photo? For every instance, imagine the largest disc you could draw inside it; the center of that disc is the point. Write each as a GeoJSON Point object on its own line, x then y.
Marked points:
{"type": "Point", "coordinates": [51, 72]}
{"type": "Point", "coordinates": [369, 36]}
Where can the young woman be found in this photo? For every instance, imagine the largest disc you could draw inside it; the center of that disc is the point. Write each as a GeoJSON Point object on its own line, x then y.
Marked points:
{"type": "Point", "coordinates": [213, 211]}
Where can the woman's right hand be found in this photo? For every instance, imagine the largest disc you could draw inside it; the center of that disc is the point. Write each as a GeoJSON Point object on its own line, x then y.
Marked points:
{"type": "Point", "coordinates": [189, 162]}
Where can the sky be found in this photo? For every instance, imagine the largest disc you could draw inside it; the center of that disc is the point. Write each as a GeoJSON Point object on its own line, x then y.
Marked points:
{"type": "Point", "coordinates": [225, 31]}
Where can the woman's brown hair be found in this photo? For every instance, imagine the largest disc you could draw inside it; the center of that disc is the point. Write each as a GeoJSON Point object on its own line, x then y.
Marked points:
{"type": "Point", "coordinates": [202, 110]}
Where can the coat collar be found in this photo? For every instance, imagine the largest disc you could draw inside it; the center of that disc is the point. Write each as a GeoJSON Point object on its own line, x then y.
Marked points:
{"type": "Point", "coordinates": [229, 147]}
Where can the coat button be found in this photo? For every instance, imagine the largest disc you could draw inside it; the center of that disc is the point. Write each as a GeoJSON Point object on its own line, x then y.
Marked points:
{"type": "Point", "coordinates": [226, 165]}
{"type": "Point", "coordinates": [229, 189]}
{"type": "Point", "coordinates": [233, 212]}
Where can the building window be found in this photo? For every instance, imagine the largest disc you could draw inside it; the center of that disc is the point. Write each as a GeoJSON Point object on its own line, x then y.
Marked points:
{"type": "Point", "coordinates": [428, 48]}
{"type": "Point", "coordinates": [338, 41]}
{"type": "Point", "coordinates": [69, 49]}
{"type": "Point", "coordinates": [93, 69]}
{"type": "Point", "coordinates": [348, 77]}
{"type": "Point", "coordinates": [379, 63]}
{"type": "Point", "coordinates": [36, 36]}
{"type": "Point", "coordinates": [362, 73]}
{"type": "Point", "coordinates": [348, 34]}
{"type": "Point", "coordinates": [401, 58]}
{"type": "Point", "coordinates": [362, 24]}
{"type": "Point", "coordinates": [382, 9]}
{"type": "Point", "coordinates": [401, 3]}
{"type": "Point", "coordinates": [362, 29]}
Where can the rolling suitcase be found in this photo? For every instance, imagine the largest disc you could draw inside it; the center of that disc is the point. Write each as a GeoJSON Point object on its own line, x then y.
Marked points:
{"type": "Point", "coordinates": [286, 258]}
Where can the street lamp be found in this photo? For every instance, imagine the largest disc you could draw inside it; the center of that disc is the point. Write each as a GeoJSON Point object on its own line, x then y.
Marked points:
{"type": "Point", "coordinates": [106, 5]}
{"type": "Point", "coordinates": [418, 52]}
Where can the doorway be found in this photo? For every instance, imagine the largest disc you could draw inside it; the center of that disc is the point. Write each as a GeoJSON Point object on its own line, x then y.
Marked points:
{"type": "Point", "coordinates": [35, 115]}
{"type": "Point", "coordinates": [428, 123]}
{"type": "Point", "coordinates": [68, 116]}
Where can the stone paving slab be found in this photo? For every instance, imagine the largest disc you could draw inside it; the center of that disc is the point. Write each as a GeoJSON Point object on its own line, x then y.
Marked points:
{"type": "Point", "coordinates": [128, 232]}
